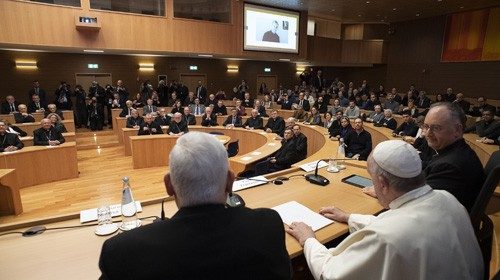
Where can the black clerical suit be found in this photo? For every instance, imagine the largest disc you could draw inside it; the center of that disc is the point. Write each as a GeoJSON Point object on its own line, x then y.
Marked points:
{"type": "Point", "coordinates": [334, 129]}
{"type": "Point", "coordinates": [10, 139]}
{"type": "Point", "coordinates": [189, 119]}
{"type": "Point", "coordinates": [407, 129]}
{"type": "Point", "coordinates": [220, 110]}
{"type": "Point", "coordinates": [482, 128]}
{"type": "Point", "coordinates": [201, 242]}
{"type": "Point", "coordinates": [19, 118]}
{"type": "Point", "coordinates": [149, 129]}
{"type": "Point", "coordinates": [300, 145]}
{"type": "Point", "coordinates": [126, 112]}
{"type": "Point", "coordinates": [177, 128]}
{"type": "Point", "coordinates": [33, 107]}
{"type": "Point", "coordinates": [285, 157]}
{"type": "Point", "coordinates": [236, 121]}
{"type": "Point", "coordinates": [255, 123]}
{"type": "Point", "coordinates": [389, 123]}
{"type": "Point", "coordinates": [163, 121]}
{"type": "Point", "coordinates": [206, 121]}
{"type": "Point", "coordinates": [457, 170]}
{"type": "Point", "coordinates": [41, 136]}
{"type": "Point", "coordinates": [131, 122]}
{"type": "Point", "coordinates": [358, 143]}
{"type": "Point", "coordinates": [276, 125]}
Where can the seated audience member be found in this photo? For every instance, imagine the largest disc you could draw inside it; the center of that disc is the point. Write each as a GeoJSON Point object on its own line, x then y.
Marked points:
{"type": "Point", "coordinates": [127, 110]}
{"type": "Point", "coordinates": [55, 120]}
{"type": "Point", "coordinates": [190, 100]}
{"type": "Point", "coordinates": [275, 124]}
{"type": "Point", "coordinates": [96, 114]}
{"type": "Point", "coordinates": [177, 108]}
{"type": "Point", "coordinates": [115, 102]}
{"type": "Point", "coordinates": [163, 119]}
{"type": "Point", "coordinates": [138, 101]}
{"type": "Point", "coordinates": [352, 111]}
{"type": "Point", "coordinates": [188, 118]}
{"type": "Point", "coordinates": [371, 103]}
{"type": "Point", "coordinates": [454, 166]}
{"type": "Point", "coordinates": [384, 247]}
{"type": "Point", "coordinates": [336, 107]}
{"type": "Point", "coordinates": [388, 121]}
{"type": "Point", "coordinates": [260, 109]}
{"type": "Point", "coordinates": [52, 109]}
{"type": "Point", "coordinates": [247, 101]}
{"type": "Point", "coordinates": [149, 127]}
{"type": "Point", "coordinates": [63, 96]}
{"type": "Point", "coordinates": [396, 96]}
{"type": "Point", "coordinates": [47, 135]}
{"type": "Point", "coordinates": [22, 115]}
{"type": "Point", "coordinates": [314, 117]}
{"type": "Point", "coordinates": [134, 121]}
{"type": "Point", "coordinates": [211, 101]}
{"type": "Point", "coordinates": [390, 103]}
{"type": "Point", "coordinates": [477, 111]}
{"type": "Point", "coordinates": [267, 102]}
{"type": "Point", "coordinates": [285, 102]}
{"type": "Point", "coordinates": [149, 107]}
{"type": "Point", "coordinates": [239, 108]}
{"type": "Point", "coordinates": [290, 122]}
{"type": "Point", "coordinates": [177, 126]}
{"type": "Point", "coordinates": [302, 103]}
{"type": "Point", "coordinates": [300, 142]}
{"type": "Point", "coordinates": [184, 246]}
{"type": "Point", "coordinates": [409, 96]}
{"type": "Point", "coordinates": [461, 102]}
{"type": "Point", "coordinates": [358, 142]}
{"type": "Point", "coordinates": [233, 120]}
{"type": "Point", "coordinates": [487, 127]}
{"type": "Point", "coordinates": [343, 100]}
{"type": "Point", "coordinates": [35, 105]}
{"type": "Point", "coordinates": [299, 114]}
{"type": "Point", "coordinates": [197, 108]}
{"type": "Point", "coordinates": [13, 129]}
{"type": "Point", "coordinates": [423, 102]}
{"type": "Point", "coordinates": [321, 105]}
{"type": "Point", "coordinates": [376, 115]}
{"type": "Point", "coordinates": [209, 118]}
{"type": "Point", "coordinates": [254, 121]}
{"type": "Point", "coordinates": [408, 127]}
{"type": "Point", "coordinates": [283, 158]}
{"type": "Point", "coordinates": [449, 96]}
{"type": "Point", "coordinates": [10, 105]}
{"type": "Point", "coordinates": [345, 127]}
{"type": "Point", "coordinates": [9, 141]}
{"type": "Point", "coordinates": [333, 125]}
{"type": "Point", "coordinates": [220, 109]}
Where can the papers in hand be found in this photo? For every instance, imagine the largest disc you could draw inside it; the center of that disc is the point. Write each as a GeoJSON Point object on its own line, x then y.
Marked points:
{"type": "Point", "coordinates": [248, 183]}
{"type": "Point", "coordinates": [311, 166]}
{"type": "Point", "coordinates": [295, 212]}
{"type": "Point", "coordinates": [116, 210]}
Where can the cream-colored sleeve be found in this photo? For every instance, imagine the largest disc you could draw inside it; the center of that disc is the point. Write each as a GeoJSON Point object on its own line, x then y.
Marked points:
{"type": "Point", "coordinates": [359, 256]}
{"type": "Point", "coordinates": [358, 221]}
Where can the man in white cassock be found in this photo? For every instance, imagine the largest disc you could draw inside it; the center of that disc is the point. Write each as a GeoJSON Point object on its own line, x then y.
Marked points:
{"type": "Point", "coordinates": [424, 234]}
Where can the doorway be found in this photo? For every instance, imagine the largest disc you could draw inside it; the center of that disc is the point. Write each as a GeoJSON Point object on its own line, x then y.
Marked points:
{"type": "Point", "coordinates": [191, 80]}
{"type": "Point", "coordinates": [271, 82]}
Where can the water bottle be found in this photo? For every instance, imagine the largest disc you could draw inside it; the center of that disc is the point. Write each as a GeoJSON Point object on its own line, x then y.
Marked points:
{"type": "Point", "coordinates": [129, 210]}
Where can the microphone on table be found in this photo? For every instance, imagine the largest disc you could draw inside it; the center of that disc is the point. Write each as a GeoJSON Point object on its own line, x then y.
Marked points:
{"type": "Point", "coordinates": [277, 181]}
{"type": "Point", "coordinates": [234, 200]}
{"type": "Point", "coordinates": [319, 179]}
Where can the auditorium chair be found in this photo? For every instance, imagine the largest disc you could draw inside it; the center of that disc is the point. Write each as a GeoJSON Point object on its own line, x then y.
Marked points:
{"type": "Point", "coordinates": [233, 148]}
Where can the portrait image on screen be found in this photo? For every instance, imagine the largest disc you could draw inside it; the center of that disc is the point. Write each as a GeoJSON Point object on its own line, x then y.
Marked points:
{"type": "Point", "coordinates": [269, 29]}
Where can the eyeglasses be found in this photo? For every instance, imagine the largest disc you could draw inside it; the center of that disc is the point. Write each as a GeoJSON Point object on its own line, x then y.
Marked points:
{"type": "Point", "coordinates": [433, 127]}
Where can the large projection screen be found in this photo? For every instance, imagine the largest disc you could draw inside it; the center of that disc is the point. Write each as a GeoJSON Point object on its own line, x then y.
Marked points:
{"type": "Point", "coordinates": [269, 29]}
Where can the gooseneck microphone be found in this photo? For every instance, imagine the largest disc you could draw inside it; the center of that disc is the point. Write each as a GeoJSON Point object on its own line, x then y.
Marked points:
{"type": "Point", "coordinates": [319, 179]}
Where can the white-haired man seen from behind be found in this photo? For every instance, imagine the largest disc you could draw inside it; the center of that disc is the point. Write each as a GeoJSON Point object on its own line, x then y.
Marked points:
{"type": "Point", "coordinates": [204, 239]}
{"type": "Point", "coordinates": [424, 234]}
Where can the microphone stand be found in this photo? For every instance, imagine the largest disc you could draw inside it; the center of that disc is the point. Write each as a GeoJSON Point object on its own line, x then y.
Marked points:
{"type": "Point", "coordinates": [319, 179]}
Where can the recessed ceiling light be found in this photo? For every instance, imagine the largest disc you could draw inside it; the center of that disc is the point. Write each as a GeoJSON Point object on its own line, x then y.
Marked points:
{"type": "Point", "coordinates": [418, 14]}
{"type": "Point", "coordinates": [381, 20]}
{"type": "Point", "coordinates": [440, 0]}
{"type": "Point", "coordinates": [394, 9]}
{"type": "Point", "coordinates": [93, 51]}
{"type": "Point", "coordinates": [461, 7]}
{"type": "Point", "coordinates": [359, 15]}
{"type": "Point", "coordinates": [367, 2]}
{"type": "Point", "coordinates": [333, 10]}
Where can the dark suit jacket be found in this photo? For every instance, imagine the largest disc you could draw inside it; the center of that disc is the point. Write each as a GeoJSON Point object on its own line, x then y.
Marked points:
{"type": "Point", "coordinates": [255, 123]}
{"type": "Point", "coordinates": [177, 127]}
{"type": "Point", "coordinates": [131, 122]}
{"type": "Point", "coordinates": [202, 95]}
{"type": "Point", "coordinates": [21, 132]}
{"type": "Point", "coordinates": [125, 112]}
{"type": "Point", "coordinates": [305, 104]}
{"type": "Point", "coordinates": [229, 120]}
{"type": "Point", "coordinates": [220, 110]}
{"type": "Point", "coordinates": [41, 136]}
{"type": "Point", "coordinates": [457, 170]}
{"type": "Point", "coordinates": [189, 119]}
{"type": "Point", "coordinates": [391, 123]}
{"type": "Point", "coordinates": [423, 103]}
{"type": "Point", "coordinates": [286, 104]}
{"type": "Point", "coordinates": [358, 143]}
{"type": "Point", "coordinates": [41, 94]}
{"type": "Point", "coordinates": [6, 109]}
{"type": "Point", "coordinates": [163, 121]}
{"type": "Point", "coordinates": [149, 129]}
{"type": "Point", "coordinates": [19, 118]}
{"type": "Point", "coordinates": [301, 146]}
{"type": "Point", "coordinates": [32, 107]}
{"type": "Point", "coordinates": [277, 126]}
{"type": "Point", "coordinates": [202, 242]}
{"type": "Point", "coordinates": [334, 129]}
{"type": "Point", "coordinates": [10, 139]}
{"type": "Point", "coordinates": [286, 155]}
{"type": "Point", "coordinates": [209, 122]}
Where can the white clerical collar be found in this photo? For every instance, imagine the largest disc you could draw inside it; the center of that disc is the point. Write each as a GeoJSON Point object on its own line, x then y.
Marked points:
{"type": "Point", "coordinates": [409, 196]}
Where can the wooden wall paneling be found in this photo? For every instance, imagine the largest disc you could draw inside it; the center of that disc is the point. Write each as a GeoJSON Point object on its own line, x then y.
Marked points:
{"type": "Point", "coordinates": [327, 28]}
{"type": "Point", "coordinates": [352, 31]}
{"type": "Point", "coordinates": [351, 51]}
{"type": "Point", "coordinates": [324, 50]}
{"type": "Point", "coordinates": [10, 199]}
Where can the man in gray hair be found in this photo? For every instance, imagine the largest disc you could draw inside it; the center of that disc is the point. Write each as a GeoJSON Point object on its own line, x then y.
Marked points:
{"type": "Point", "coordinates": [424, 234]}
{"type": "Point", "coordinates": [204, 239]}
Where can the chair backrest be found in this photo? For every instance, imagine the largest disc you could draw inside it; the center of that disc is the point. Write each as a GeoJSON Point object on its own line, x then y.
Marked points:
{"type": "Point", "coordinates": [492, 170]}
{"type": "Point", "coordinates": [233, 148]}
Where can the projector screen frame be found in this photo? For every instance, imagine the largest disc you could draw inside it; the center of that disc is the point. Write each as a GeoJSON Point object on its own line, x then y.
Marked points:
{"type": "Point", "coordinates": [247, 47]}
